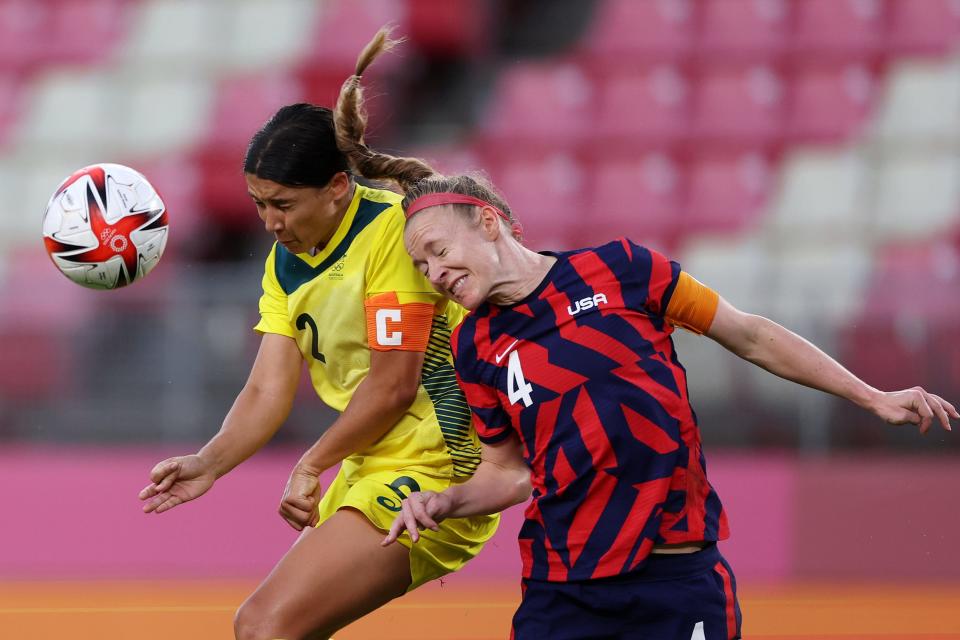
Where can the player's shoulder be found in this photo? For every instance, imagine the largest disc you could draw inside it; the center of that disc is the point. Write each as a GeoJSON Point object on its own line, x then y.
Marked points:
{"type": "Point", "coordinates": [380, 196]}
{"type": "Point", "coordinates": [462, 336]}
{"type": "Point", "coordinates": [383, 208]}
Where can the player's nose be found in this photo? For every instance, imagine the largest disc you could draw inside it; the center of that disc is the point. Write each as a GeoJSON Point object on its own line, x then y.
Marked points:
{"type": "Point", "coordinates": [272, 222]}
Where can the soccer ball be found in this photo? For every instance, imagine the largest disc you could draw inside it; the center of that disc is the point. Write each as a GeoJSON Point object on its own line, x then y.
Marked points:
{"type": "Point", "coordinates": [105, 226]}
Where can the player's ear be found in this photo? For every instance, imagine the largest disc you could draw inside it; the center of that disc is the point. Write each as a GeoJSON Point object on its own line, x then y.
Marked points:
{"type": "Point", "coordinates": [339, 184]}
{"type": "Point", "coordinates": [489, 223]}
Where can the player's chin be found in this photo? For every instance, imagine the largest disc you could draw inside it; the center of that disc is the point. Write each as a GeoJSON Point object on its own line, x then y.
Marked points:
{"type": "Point", "coordinates": [467, 299]}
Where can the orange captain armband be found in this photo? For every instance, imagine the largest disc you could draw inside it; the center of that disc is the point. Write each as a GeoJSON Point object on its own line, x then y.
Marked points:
{"type": "Point", "coordinates": [692, 305]}
{"type": "Point", "coordinates": [394, 326]}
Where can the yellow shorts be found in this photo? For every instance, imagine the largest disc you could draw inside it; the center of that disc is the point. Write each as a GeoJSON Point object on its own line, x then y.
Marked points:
{"type": "Point", "coordinates": [378, 496]}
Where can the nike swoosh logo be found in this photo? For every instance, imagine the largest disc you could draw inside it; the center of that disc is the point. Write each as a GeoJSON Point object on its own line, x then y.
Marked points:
{"type": "Point", "coordinates": [501, 356]}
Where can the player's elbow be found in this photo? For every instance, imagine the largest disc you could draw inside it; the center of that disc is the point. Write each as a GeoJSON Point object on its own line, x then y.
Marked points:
{"type": "Point", "coordinates": [521, 487]}
{"type": "Point", "coordinates": [401, 393]}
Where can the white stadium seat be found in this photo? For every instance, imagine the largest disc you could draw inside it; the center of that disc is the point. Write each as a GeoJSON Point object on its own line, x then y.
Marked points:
{"type": "Point", "coordinates": [821, 195]}
{"type": "Point", "coordinates": [918, 194]}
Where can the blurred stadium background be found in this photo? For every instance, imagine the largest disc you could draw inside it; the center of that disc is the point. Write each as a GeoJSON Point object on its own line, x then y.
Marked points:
{"type": "Point", "coordinates": [800, 156]}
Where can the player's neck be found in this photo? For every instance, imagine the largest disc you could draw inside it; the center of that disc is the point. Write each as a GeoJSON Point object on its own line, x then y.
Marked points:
{"type": "Point", "coordinates": [526, 270]}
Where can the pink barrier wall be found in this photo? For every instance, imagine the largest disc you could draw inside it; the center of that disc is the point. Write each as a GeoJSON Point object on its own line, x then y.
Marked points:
{"type": "Point", "coordinates": [71, 513]}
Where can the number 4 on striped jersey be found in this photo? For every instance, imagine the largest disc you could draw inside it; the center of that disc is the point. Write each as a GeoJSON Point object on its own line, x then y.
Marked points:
{"type": "Point", "coordinates": [517, 386]}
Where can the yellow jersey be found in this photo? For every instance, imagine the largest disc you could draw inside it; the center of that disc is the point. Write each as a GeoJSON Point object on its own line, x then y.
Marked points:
{"type": "Point", "coordinates": [362, 292]}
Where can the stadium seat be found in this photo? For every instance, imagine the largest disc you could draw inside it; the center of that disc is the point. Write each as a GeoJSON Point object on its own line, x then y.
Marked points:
{"type": "Point", "coordinates": [913, 278]}
{"type": "Point", "coordinates": [738, 267]}
{"type": "Point", "coordinates": [739, 106]}
{"type": "Point", "coordinates": [825, 281]}
{"type": "Point", "coordinates": [643, 108]}
{"type": "Point", "coordinates": [931, 27]}
{"type": "Point", "coordinates": [90, 122]}
{"type": "Point", "coordinates": [165, 115]}
{"type": "Point", "coordinates": [342, 27]}
{"type": "Point", "coordinates": [918, 194]}
{"type": "Point", "coordinates": [625, 32]}
{"type": "Point", "coordinates": [540, 104]}
{"type": "Point", "coordinates": [168, 32]}
{"type": "Point", "coordinates": [281, 30]}
{"type": "Point", "coordinates": [85, 31]}
{"type": "Point", "coordinates": [21, 24]}
{"type": "Point", "coordinates": [450, 160]}
{"type": "Point", "coordinates": [546, 194]}
{"type": "Point", "coordinates": [243, 104]}
{"type": "Point", "coordinates": [745, 30]}
{"type": "Point", "coordinates": [836, 29]}
{"type": "Point", "coordinates": [922, 104]}
{"type": "Point", "coordinates": [448, 28]}
{"type": "Point", "coordinates": [908, 330]}
{"type": "Point", "coordinates": [726, 192]}
{"type": "Point", "coordinates": [829, 103]}
{"type": "Point", "coordinates": [11, 93]}
{"type": "Point", "coordinates": [222, 191]}
{"type": "Point", "coordinates": [822, 196]}
{"type": "Point", "coordinates": [640, 197]}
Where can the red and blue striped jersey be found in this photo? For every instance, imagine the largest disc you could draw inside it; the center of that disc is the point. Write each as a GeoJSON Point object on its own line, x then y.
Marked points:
{"type": "Point", "coordinates": [585, 372]}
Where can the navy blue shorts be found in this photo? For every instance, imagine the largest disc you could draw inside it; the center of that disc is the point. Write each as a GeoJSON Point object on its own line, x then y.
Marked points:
{"type": "Point", "coordinates": [673, 597]}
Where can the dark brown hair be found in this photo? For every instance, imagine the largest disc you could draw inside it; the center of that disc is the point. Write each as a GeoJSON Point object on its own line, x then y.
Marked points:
{"type": "Point", "coordinates": [415, 177]}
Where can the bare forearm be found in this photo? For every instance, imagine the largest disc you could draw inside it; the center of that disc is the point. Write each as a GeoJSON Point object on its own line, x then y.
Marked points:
{"type": "Point", "coordinates": [788, 355]}
{"type": "Point", "coordinates": [254, 418]}
{"type": "Point", "coordinates": [492, 489]}
{"type": "Point", "coordinates": [374, 410]}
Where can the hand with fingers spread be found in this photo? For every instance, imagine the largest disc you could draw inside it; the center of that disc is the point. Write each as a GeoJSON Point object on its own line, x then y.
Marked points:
{"type": "Point", "coordinates": [301, 498]}
{"type": "Point", "coordinates": [421, 510]}
{"type": "Point", "coordinates": [914, 406]}
{"type": "Point", "coordinates": [175, 481]}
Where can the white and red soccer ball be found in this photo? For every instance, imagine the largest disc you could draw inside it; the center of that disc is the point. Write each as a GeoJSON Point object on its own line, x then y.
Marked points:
{"type": "Point", "coordinates": [105, 226]}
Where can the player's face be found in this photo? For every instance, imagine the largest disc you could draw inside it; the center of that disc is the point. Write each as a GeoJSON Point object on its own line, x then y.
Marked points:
{"type": "Point", "coordinates": [301, 218]}
{"type": "Point", "coordinates": [453, 253]}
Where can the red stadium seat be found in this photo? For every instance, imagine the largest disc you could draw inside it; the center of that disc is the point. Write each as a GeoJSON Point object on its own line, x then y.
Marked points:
{"type": "Point", "coordinates": [750, 30]}
{"type": "Point", "coordinates": [447, 27]}
{"type": "Point", "coordinates": [244, 104]}
{"type": "Point", "coordinates": [22, 23]}
{"type": "Point", "coordinates": [344, 26]}
{"type": "Point", "coordinates": [59, 31]}
{"type": "Point", "coordinates": [649, 107]}
{"type": "Point", "coordinates": [726, 192]}
{"type": "Point", "coordinates": [626, 31]}
{"type": "Point", "coordinates": [911, 279]}
{"type": "Point", "coordinates": [838, 28]}
{"type": "Point", "coordinates": [85, 30]}
{"type": "Point", "coordinates": [830, 103]}
{"type": "Point", "coordinates": [739, 106]}
{"type": "Point", "coordinates": [641, 198]}
{"type": "Point", "coordinates": [542, 105]}
{"type": "Point", "coordinates": [883, 353]}
{"type": "Point", "coordinates": [11, 91]}
{"type": "Point", "coordinates": [546, 194]}
{"type": "Point", "coordinates": [929, 27]}
{"type": "Point", "coordinates": [222, 190]}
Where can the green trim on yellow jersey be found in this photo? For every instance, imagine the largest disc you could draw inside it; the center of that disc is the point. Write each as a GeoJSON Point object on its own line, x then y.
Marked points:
{"type": "Point", "coordinates": [453, 413]}
{"type": "Point", "coordinates": [292, 272]}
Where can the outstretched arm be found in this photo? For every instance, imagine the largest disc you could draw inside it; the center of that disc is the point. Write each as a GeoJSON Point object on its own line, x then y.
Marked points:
{"type": "Point", "coordinates": [783, 353]}
{"type": "Point", "coordinates": [261, 407]}
{"type": "Point", "coordinates": [502, 480]}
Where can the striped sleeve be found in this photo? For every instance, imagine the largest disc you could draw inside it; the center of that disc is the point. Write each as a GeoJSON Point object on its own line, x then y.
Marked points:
{"type": "Point", "coordinates": [490, 420]}
{"type": "Point", "coordinates": [657, 274]}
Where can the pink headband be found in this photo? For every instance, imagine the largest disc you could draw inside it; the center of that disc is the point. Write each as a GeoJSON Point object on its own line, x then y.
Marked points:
{"type": "Point", "coordinates": [437, 199]}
